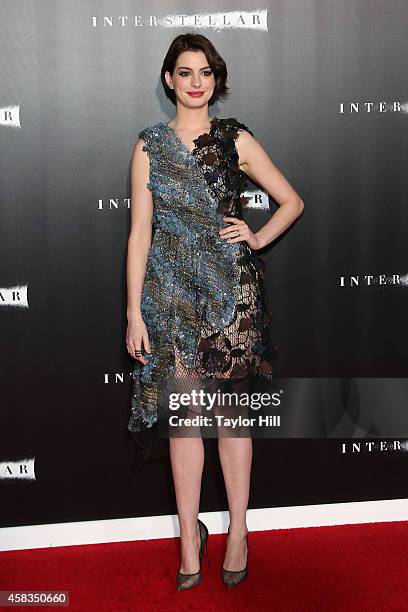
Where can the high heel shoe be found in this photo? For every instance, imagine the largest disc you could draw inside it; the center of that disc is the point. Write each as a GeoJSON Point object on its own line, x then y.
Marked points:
{"type": "Point", "coordinates": [231, 578]}
{"type": "Point", "coordinates": [186, 581]}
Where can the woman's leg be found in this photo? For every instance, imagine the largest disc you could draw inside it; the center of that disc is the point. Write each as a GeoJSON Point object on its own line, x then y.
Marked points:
{"type": "Point", "coordinates": [187, 460]}
{"type": "Point", "coordinates": [236, 459]}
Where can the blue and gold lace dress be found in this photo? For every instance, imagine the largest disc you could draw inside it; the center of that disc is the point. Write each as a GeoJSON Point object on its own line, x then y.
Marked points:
{"type": "Point", "coordinates": [203, 298]}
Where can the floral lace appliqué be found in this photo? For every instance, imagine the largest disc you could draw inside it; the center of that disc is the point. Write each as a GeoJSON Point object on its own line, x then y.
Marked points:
{"type": "Point", "coordinates": [204, 300]}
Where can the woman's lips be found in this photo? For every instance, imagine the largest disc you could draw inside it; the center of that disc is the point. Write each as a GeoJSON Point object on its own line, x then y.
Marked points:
{"type": "Point", "coordinates": [195, 94]}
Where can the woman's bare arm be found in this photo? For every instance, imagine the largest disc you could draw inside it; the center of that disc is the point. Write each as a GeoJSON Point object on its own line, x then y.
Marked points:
{"type": "Point", "coordinates": [140, 236]}
{"type": "Point", "coordinates": [256, 163]}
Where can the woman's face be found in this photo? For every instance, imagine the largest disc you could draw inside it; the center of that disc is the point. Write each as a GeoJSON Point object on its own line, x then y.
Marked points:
{"type": "Point", "coordinates": [193, 79]}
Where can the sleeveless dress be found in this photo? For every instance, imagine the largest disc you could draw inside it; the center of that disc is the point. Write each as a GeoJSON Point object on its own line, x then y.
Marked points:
{"type": "Point", "coordinates": [202, 297]}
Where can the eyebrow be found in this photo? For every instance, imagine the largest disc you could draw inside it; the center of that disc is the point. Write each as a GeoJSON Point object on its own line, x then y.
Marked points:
{"type": "Point", "coordinates": [188, 68]}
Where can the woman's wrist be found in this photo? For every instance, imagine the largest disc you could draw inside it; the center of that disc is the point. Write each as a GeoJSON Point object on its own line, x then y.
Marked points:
{"type": "Point", "coordinates": [133, 315]}
{"type": "Point", "coordinates": [261, 243]}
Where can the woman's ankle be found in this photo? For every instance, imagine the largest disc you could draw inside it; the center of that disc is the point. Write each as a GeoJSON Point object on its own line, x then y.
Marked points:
{"type": "Point", "coordinates": [238, 531]}
{"type": "Point", "coordinates": [190, 533]}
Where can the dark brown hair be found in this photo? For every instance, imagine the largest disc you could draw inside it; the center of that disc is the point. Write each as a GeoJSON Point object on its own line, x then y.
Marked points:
{"type": "Point", "coordinates": [196, 42]}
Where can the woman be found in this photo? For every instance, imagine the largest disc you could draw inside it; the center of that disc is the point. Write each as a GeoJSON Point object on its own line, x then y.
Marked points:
{"type": "Point", "coordinates": [197, 305]}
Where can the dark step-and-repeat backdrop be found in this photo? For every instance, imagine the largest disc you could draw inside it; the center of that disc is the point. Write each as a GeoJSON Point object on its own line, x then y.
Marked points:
{"type": "Point", "coordinates": [324, 87]}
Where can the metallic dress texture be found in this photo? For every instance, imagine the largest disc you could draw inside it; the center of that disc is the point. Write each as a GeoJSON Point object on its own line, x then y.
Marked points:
{"type": "Point", "coordinates": [203, 301]}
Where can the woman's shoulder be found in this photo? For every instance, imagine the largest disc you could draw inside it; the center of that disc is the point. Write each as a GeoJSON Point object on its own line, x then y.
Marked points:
{"type": "Point", "coordinates": [151, 130]}
{"type": "Point", "coordinates": [151, 136]}
{"type": "Point", "coordinates": [228, 127]}
{"type": "Point", "coordinates": [231, 126]}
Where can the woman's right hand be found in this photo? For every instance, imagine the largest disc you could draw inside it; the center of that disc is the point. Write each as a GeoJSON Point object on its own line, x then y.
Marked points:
{"type": "Point", "coordinates": [135, 335]}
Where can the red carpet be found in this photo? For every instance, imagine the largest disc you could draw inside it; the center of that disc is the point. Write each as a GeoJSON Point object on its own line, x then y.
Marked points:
{"type": "Point", "coordinates": [341, 568]}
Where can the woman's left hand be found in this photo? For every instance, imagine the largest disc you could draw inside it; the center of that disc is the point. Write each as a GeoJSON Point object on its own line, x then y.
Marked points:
{"type": "Point", "coordinates": [245, 233]}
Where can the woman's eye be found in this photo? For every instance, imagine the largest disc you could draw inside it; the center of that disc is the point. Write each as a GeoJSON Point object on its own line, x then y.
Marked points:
{"type": "Point", "coordinates": [207, 73]}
